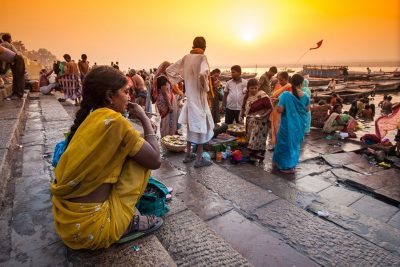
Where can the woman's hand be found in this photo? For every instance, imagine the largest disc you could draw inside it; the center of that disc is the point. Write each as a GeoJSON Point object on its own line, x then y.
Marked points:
{"type": "Point", "coordinates": [137, 111]}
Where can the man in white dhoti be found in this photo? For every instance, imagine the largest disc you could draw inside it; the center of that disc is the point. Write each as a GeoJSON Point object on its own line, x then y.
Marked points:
{"type": "Point", "coordinates": [194, 70]}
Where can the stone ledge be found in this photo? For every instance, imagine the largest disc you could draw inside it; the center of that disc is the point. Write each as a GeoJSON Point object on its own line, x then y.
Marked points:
{"type": "Point", "coordinates": [10, 138]}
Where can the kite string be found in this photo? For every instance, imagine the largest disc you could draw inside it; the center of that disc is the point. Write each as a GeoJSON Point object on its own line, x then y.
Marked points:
{"type": "Point", "coordinates": [301, 57]}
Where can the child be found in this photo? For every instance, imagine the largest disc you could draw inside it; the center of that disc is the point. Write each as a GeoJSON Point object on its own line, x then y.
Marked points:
{"type": "Point", "coordinates": [234, 93]}
{"type": "Point", "coordinates": [335, 99]}
{"type": "Point", "coordinates": [353, 109]}
{"type": "Point", "coordinates": [372, 107]}
{"type": "Point", "coordinates": [387, 105]}
{"type": "Point", "coordinates": [367, 113]}
{"type": "Point", "coordinates": [257, 109]}
{"type": "Point", "coordinates": [382, 101]}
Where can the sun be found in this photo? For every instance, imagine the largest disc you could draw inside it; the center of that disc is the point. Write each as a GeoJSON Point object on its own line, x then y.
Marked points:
{"type": "Point", "coordinates": [248, 33]}
{"type": "Point", "coordinates": [248, 36]}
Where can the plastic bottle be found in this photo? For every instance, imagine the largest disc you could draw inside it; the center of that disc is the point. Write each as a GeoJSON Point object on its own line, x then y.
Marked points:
{"type": "Point", "coordinates": [218, 157]}
{"type": "Point", "coordinates": [228, 151]}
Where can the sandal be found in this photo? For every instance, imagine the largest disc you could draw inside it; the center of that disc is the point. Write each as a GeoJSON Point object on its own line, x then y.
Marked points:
{"type": "Point", "coordinates": [188, 160]}
{"type": "Point", "coordinates": [288, 171]}
{"type": "Point", "coordinates": [141, 225]}
{"type": "Point", "coordinates": [202, 163]}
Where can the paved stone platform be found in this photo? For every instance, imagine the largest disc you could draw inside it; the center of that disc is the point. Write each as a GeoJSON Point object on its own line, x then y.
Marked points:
{"type": "Point", "coordinates": [320, 240]}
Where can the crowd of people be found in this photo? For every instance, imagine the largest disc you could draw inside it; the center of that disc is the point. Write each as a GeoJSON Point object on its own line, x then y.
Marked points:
{"type": "Point", "coordinates": [105, 165]}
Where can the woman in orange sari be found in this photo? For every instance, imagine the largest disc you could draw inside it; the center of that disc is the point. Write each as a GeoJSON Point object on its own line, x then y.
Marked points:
{"type": "Point", "coordinates": [283, 85]}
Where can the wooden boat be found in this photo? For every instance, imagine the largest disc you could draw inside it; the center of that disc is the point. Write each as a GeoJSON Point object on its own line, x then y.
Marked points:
{"type": "Point", "coordinates": [386, 86]}
{"type": "Point", "coordinates": [360, 84]}
{"type": "Point", "coordinates": [318, 81]}
{"type": "Point", "coordinates": [348, 95]}
{"type": "Point", "coordinates": [323, 71]}
{"type": "Point", "coordinates": [339, 86]}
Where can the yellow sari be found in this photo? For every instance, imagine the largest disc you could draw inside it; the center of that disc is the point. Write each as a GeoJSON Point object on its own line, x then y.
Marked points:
{"type": "Point", "coordinates": [100, 152]}
{"type": "Point", "coordinates": [275, 115]}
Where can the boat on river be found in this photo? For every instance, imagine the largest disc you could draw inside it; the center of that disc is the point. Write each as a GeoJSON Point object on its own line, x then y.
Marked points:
{"type": "Point", "coordinates": [387, 86]}
{"type": "Point", "coordinates": [339, 86]}
{"type": "Point", "coordinates": [347, 94]}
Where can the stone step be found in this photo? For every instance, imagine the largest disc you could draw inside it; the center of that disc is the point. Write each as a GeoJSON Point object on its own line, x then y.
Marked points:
{"type": "Point", "coordinates": [311, 237]}
{"type": "Point", "coordinates": [374, 230]}
{"type": "Point", "coordinates": [152, 253]}
{"type": "Point", "coordinates": [12, 119]}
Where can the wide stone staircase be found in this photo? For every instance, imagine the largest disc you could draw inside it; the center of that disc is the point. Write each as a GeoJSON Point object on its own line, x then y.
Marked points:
{"type": "Point", "coordinates": [220, 216]}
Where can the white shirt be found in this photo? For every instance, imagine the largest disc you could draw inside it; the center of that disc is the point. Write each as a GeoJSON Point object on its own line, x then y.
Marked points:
{"type": "Point", "coordinates": [236, 92]}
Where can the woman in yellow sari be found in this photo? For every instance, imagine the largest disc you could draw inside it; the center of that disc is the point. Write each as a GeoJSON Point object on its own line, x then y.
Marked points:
{"type": "Point", "coordinates": [105, 167]}
{"type": "Point", "coordinates": [283, 85]}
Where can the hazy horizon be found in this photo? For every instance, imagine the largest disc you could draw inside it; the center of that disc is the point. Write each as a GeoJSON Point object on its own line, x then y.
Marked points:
{"type": "Point", "coordinates": [142, 34]}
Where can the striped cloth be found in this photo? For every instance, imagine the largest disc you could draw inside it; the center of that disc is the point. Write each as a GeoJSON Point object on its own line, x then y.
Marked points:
{"type": "Point", "coordinates": [72, 86]}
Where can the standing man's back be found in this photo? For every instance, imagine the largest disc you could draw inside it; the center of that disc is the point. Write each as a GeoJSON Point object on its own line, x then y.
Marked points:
{"type": "Point", "coordinates": [194, 70]}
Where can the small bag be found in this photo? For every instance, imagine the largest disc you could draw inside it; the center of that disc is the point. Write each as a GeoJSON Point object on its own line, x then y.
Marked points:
{"type": "Point", "coordinates": [58, 151]}
{"type": "Point", "coordinates": [153, 200]}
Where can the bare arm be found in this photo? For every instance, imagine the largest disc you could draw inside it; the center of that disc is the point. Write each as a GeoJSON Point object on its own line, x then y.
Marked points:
{"type": "Point", "coordinates": [175, 72]}
{"type": "Point", "coordinates": [280, 109]}
{"type": "Point", "coordinates": [149, 154]}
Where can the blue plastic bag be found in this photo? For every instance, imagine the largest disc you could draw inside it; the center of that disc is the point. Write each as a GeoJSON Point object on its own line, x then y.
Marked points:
{"type": "Point", "coordinates": [58, 151]}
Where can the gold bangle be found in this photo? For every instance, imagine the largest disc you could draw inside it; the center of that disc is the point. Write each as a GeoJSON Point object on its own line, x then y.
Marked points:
{"type": "Point", "coordinates": [150, 135]}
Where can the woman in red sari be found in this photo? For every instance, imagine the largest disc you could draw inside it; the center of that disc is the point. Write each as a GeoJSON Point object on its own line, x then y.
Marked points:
{"type": "Point", "coordinates": [257, 109]}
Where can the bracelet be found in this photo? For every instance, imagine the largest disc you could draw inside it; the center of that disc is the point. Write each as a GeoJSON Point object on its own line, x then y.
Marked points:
{"type": "Point", "coordinates": [146, 135]}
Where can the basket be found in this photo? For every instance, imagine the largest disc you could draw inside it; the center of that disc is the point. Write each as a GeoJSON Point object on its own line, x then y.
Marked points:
{"type": "Point", "coordinates": [237, 133]}
{"type": "Point", "coordinates": [174, 148]}
{"type": "Point", "coordinates": [236, 130]}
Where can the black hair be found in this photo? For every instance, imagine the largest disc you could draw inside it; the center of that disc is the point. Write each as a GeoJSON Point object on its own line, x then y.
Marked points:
{"type": "Point", "coordinates": [385, 97]}
{"type": "Point", "coordinates": [251, 82]}
{"type": "Point", "coordinates": [334, 94]}
{"type": "Point", "coordinates": [297, 80]}
{"type": "Point", "coordinates": [335, 107]}
{"type": "Point", "coordinates": [236, 68]}
{"type": "Point", "coordinates": [6, 37]}
{"type": "Point", "coordinates": [84, 56]}
{"type": "Point", "coordinates": [199, 42]}
{"type": "Point", "coordinates": [215, 71]}
{"type": "Point", "coordinates": [389, 97]}
{"type": "Point", "coordinates": [66, 57]}
{"type": "Point", "coordinates": [284, 75]}
{"type": "Point", "coordinates": [273, 69]}
{"type": "Point", "coordinates": [98, 84]}
{"type": "Point", "coordinates": [372, 107]}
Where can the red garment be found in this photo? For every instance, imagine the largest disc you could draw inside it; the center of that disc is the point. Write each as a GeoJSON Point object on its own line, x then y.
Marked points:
{"type": "Point", "coordinates": [387, 123]}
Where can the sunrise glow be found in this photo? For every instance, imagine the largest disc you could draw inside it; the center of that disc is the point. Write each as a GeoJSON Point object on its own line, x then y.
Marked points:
{"type": "Point", "coordinates": [144, 33]}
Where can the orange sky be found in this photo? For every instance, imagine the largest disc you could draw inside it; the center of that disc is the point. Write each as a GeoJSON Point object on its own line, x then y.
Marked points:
{"type": "Point", "coordinates": [142, 34]}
